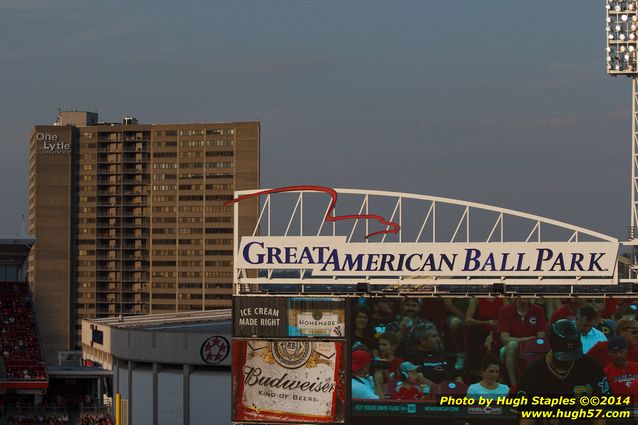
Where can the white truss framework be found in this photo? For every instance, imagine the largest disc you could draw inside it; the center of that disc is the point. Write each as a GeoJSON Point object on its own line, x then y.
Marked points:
{"type": "Point", "coordinates": [431, 219]}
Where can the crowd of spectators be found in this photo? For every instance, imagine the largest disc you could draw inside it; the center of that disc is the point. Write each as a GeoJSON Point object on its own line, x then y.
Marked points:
{"type": "Point", "coordinates": [59, 420]}
{"type": "Point", "coordinates": [39, 420]}
{"type": "Point", "coordinates": [413, 349]}
{"type": "Point", "coordinates": [95, 420]}
{"type": "Point", "coordinates": [19, 345]}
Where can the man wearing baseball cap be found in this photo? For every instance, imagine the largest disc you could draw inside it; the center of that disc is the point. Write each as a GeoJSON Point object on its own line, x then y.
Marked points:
{"type": "Point", "coordinates": [621, 373]}
{"type": "Point", "coordinates": [626, 328]}
{"type": "Point", "coordinates": [365, 386]}
{"type": "Point", "coordinates": [564, 371]}
{"type": "Point", "coordinates": [408, 387]}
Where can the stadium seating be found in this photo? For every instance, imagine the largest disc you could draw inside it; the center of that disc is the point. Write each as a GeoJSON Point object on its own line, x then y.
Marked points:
{"type": "Point", "coordinates": [19, 344]}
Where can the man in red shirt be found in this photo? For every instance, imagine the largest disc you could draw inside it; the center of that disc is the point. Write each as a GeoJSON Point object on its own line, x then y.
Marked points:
{"type": "Point", "coordinates": [626, 328]}
{"type": "Point", "coordinates": [408, 388]}
{"type": "Point", "coordinates": [621, 373]}
{"type": "Point", "coordinates": [567, 310]}
{"type": "Point", "coordinates": [518, 322]}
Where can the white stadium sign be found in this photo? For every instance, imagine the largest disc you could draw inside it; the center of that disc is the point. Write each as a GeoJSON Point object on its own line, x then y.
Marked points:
{"type": "Point", "coordinates": [333, 256]}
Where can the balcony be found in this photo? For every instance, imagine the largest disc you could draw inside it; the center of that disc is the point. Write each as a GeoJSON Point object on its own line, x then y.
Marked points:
{"type": "Point", "coordinates": [138, 180]}
{"type": "Point", "coordinates": [108, 245]}
{"type": "Point", "coordinates": [108, 224]}
{"type": "Point", "coordinates": [106, 279]}
{"type": "Point", "coordinates": [138, 148]}
{"type": "Point", "coordinates": [138, 158]}
{"type": "Point", "coordinates": [108, 181]}
{"type": "Point", "coordinates": [138, 245]}
{"type": "Point", "coordinates": [109, 147]}
{"type": "Point", "coordinates": [139, 257]}
{"type": "Point", "coordinates": [108, 189]}
{"type": "Point", "coordinates": [108, 214]}
{"type": "Point", "coordinates": [137, 224]}
{"type": "Point", "coordinates": [134, 233]}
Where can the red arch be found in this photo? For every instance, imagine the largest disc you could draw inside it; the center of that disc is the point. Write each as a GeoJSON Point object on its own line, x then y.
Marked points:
{"type": "Point", "coordinates": [329, 217]}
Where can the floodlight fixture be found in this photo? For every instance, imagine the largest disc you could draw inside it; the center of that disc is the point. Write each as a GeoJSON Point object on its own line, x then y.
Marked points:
{"type": "Point", "coordinates": [621, 25]}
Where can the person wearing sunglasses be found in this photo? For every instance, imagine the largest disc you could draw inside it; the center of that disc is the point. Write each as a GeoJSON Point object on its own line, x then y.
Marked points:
{"type": "Point", "coordinates": [626, 328]}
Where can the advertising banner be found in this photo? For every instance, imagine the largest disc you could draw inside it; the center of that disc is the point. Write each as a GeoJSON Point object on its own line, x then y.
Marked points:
{"type": "Point", "coordinates": [332, 256]}
{"type": "Point", "coordinates": [289, 316]}
{"type": "Point", "coordinates": [288, 381]}
{"type": "Point", "coordinates": [259, 316]}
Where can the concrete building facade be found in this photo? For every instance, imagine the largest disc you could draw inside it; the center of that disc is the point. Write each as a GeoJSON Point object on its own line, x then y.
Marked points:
{"type": "Point", "coordinates": [130, 218]}
{"type": "Point", "coordinates": [169, 369]}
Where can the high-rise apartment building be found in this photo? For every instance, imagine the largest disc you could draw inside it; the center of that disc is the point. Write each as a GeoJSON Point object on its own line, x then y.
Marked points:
{"type": "Point", "coordinates": [129, 218]}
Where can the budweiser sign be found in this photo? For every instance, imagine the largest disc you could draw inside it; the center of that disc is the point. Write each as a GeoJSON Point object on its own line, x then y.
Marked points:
{"type": "Point", "coordinates": [287, 380]}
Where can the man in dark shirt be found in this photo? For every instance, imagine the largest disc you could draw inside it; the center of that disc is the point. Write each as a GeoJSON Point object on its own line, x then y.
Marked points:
{"type": "Point", "coordinates": [564, 371]}
{"type": "Point", "coordinates": [406, 324]}
{"type": "Point", "coordinates": [435, 365]}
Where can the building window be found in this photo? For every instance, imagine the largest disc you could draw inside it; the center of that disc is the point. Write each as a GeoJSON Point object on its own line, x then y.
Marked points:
{"type": "Point", "coordinates": [163, 241]}
{"type": "Point", "coordinates": [168, 144]}
{"type": "Point", "coordinates": [219, 186]}
{"type": "Point", "coordinates": [161, 198]}
{"type": "Point", "coordinates": [223, 143]}
{"type": "Point", "coordinates": [220, 153]}
{"type": "Point", "coordinates": [164, 165]}
{"type": "Point", "coordinates": [191, 132]}
{"type": "Point", "coordinates": [187, 165]}
{"type": "Point", "coordinates": [164, 187]}
{"type": "Point", "coordinates": [164, 252]}
{"type": "Point", "coordinates": [219, 165]}
{"type": "Point", "coordinates": [219, 252]}
{"type": "Point", "coordinates": [163, 231]}
{"type": "Point", "coordinates": [219, 197]}
{"type": "Point", "coordinates": [190, 154]}
{"type": "Point", "coordinates": [163, 263]}
{"type": "Point", "coordinates": [217, 208]}
{"type": "Point", "coordinates": [190, 252]}
{"type": "Point", "coordinates": [164, 154]}
{"type": "Point", "coordinates": [219, 241]}
{"type": "Point", "coordinates": [192, 197]}
{"type": "Point", "coordinates": [191, 143]}
{"type": "Point", "coordinates": [164, 133]}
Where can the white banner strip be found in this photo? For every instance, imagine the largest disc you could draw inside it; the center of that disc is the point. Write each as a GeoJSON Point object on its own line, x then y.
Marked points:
{"type": "Point", "coordinates": [332, 256]}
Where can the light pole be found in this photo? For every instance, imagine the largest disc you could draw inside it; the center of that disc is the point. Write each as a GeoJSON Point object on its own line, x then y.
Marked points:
{"type": "Point", "coordinates": [622, 48]}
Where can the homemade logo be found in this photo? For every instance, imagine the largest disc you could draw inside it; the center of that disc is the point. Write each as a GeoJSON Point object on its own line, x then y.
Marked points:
{"type": "Point", "coordinates": [214, 350]}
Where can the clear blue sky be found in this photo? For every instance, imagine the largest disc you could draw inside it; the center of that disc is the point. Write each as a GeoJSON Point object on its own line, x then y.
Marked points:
{"type": "Point", "coordinates": [496, 101]}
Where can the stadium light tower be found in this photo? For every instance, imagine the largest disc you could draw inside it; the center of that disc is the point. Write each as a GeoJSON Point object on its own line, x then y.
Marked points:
{"type": "Point", "coordinates": [622, 49]}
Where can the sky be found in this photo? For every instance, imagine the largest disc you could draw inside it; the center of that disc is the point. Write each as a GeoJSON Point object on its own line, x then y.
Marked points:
{"type": "Point", "coordinates": [501, 102]}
